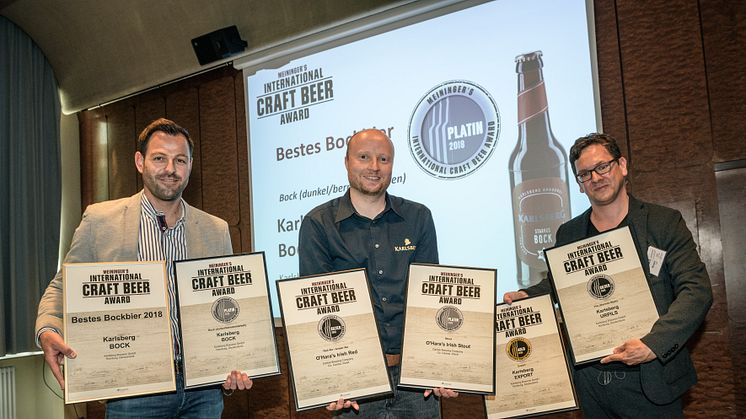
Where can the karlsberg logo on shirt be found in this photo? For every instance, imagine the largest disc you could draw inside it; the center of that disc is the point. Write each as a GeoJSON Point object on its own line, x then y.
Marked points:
{"type": "Point", "coordinates": [407, 246]}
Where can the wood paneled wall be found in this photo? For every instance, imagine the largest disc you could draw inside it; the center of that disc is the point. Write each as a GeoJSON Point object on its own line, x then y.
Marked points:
{"type": "Point", "coordinates": [672, 91]}
{"type": "Point", "coordinates": [211, 106]}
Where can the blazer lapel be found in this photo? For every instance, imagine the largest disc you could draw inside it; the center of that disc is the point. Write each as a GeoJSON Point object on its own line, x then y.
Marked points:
{"type": "Point", "coordinates": [131, 220]}
{"type": "Point", "coordinates": [195, 243]}
{"type": "Point", "coordinates": [637, 221]}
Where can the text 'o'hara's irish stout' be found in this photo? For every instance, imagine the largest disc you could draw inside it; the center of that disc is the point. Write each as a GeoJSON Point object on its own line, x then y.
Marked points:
{"type": "Point", "coordinates": [538, 174]}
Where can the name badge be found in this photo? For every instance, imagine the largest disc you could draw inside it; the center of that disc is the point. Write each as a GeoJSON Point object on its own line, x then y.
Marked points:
{"type": "Point", "coordinates": [655, 258]}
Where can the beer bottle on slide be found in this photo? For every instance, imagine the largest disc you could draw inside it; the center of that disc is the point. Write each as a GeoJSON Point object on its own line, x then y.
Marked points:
{"type": "Point", "coordinates": [538, 174]}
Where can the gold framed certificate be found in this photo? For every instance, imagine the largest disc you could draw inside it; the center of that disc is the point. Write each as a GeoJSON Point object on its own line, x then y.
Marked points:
{"type": "Point", "coordinates": [603, 293]}
{"type": "Point", "coordinates": [225, 317]}
{"type": "Point", "coordinates": [334, 350]}
{"type": "Point", "coordinates": [449, 329]}
{"type": "Point", "coordinates": [533, 373]}
{"type": "Point", "coordinates": [116, 317]}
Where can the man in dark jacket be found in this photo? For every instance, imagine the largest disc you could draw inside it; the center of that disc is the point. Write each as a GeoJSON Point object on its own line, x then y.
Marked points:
{"type": "Point", "coordinates": [644, 377]}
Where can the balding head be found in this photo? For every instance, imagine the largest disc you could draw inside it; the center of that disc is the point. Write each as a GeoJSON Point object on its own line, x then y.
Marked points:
{"type": "Point", "coordinates": [370, 133]}
{"type": "Point", "coordinates": [369, 162]}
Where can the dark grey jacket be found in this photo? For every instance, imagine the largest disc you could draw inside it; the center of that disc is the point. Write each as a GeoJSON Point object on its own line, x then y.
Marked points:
{"type": "Point", "coordinates": [681, 291]}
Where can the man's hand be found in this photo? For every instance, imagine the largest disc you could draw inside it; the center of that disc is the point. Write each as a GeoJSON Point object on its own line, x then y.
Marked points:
{"type": "Point", "coordinates": [442, 392]}
{"type": "Point", "coordinates": [237, 380]}
{"type": "Point", "coordinates": [342, 404]}
{"type": "Point", "coordinates": [55, 351]}
{"type": "Point", "coordinates": [509, 297]}
{"type": "Point", "coordinates": [631, 352]}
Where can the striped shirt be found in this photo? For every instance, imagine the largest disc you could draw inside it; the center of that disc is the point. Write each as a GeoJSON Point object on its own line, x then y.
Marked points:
{"type": "Point", "coordinates": [168, 244]}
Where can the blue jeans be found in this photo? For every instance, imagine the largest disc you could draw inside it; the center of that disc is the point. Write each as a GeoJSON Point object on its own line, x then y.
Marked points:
{"type": "Point", "coordinates": [404, 404]}
{"type": "Point", "coordinates": [197, 404]}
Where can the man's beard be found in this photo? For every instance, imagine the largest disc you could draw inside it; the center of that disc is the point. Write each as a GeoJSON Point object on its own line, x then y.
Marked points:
{"type": "Point", "coordinates": [358, 186]}
{"type": "Point", "coordinates": [165, 193]}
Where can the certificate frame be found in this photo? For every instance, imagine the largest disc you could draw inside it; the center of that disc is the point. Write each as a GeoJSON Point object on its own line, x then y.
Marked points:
{"type": "Point", "coordinates": [534, 375]}
{"type": "Point", "coordinates": [116, 316]}
{"type": "Point", "coordinates": [334, 348]}
{"type": "Point", "coordinates": [449, 320]}
{"type": "Point", "coordinates": [603, 293]}
{"type": "Point", "coordinates": [225, 318]}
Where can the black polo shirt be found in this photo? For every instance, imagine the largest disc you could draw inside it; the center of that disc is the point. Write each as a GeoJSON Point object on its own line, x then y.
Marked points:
{"type": "Point", "coordinates": [333, 237]}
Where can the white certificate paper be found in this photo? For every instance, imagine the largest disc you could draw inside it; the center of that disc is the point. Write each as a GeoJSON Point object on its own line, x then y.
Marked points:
{"type": "Point", "coordinates": [225, 317]}
{"type": "Point", "coordinates": [334, 349]}
{"type": "Point", "coordinates": [603, 294]}
{"type": "Point", "coordinates": [449, 329]}
{"type": "Point", "coordinates": [116, 317]}
{"type": "Point", "coordinates": [533, 375]}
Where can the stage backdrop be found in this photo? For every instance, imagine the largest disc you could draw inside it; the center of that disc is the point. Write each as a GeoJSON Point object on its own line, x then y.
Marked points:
{"type": "Point", "coordinates": [446, 91]}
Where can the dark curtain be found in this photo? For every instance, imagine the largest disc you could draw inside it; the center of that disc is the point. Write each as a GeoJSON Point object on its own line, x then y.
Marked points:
{"type": "Point", "coordinates": [29, 184]}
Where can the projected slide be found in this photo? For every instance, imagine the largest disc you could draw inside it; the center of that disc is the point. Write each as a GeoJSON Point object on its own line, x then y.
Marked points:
{"type": "Point", "coordinates": [481, 156]}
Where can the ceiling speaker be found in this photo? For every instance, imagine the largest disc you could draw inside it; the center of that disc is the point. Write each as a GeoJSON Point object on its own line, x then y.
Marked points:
{"type": "Point", "coordinates": [217, 45]}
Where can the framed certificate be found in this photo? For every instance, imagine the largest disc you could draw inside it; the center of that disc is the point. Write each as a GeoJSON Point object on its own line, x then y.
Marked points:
{"type": "Point", "coordinates": [226, 319]}
{"type": "Point", "coordinates": [116, 317]}
{"type": "Point", "coordinates": [533, 373]}
{"type": "Point", "coordinates": [449, 329]}
{"type": "Point", "coordinates": [603, 294]}
{"type": "Point", "coordinates": [334, 350]}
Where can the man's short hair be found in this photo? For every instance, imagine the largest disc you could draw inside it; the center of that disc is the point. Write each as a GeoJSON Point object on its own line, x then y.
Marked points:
{"type": "Point", "coordinates": [391, 142]}
{"type": "Point", "coordinates": [166, 126]}
{"type": "Point", "coordinates": [581, 143]}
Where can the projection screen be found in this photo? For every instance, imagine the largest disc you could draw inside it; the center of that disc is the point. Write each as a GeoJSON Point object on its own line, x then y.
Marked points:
{"type": "Point", "coordinates": [439, 78]}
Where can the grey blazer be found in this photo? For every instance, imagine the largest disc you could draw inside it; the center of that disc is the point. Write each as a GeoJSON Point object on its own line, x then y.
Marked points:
{"type": "Point", "coordinates": [109, 232]}
{"type": "Point", "coordinates": [681, 291]}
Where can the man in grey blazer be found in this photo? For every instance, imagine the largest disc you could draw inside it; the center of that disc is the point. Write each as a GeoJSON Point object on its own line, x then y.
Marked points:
{"type": "Point", "coordinates": [644, 377]}
{"type": "Point", "coordinates": [154, 224]}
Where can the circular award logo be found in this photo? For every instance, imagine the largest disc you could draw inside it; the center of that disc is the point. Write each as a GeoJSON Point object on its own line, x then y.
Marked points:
{"type": "Point", "coordinates": [518, 349]}
{"type": "Point", "coordinates": [331, 328]}
{"type": "Point", "coordinates": [600, 287]}
{"type": "Point", "coordinates": [449, 318]}
{"type": "Point", "coordinates": [454, 129]}
{"type": "Point", "coordinates": [225, 309]}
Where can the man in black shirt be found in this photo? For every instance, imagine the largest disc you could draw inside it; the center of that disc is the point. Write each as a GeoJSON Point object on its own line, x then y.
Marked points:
{"type": "Point", "coordinates": [369, 228]}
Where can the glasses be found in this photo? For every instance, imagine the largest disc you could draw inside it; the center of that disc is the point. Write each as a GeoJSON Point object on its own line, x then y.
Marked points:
{"type": "Point", "coordinates": [601, 168]}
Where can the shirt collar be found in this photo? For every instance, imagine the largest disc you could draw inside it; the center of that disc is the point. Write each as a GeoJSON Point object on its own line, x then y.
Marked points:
{"type": "Point", "coordinates": [149, 210]}
{"type": "Point", "coordinates": [347, 210]}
